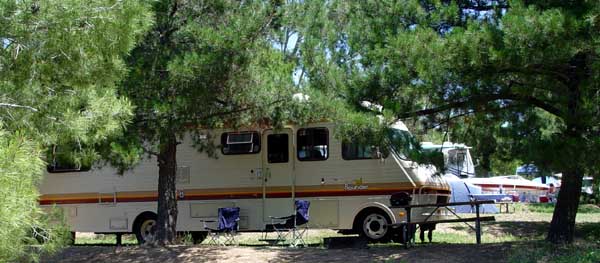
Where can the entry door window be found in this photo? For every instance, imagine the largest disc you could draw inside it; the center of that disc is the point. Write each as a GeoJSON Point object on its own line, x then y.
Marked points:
{"type": "Point", "coordinates": [277, 148]}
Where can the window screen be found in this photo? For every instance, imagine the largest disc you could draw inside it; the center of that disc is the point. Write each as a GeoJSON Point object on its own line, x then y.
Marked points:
{"type": "Point", "coordinates": [313, 144]}
{"type": "Point", "coordinates": [240, 143]}
{"type": "Point", "coordinates": [277, 148]}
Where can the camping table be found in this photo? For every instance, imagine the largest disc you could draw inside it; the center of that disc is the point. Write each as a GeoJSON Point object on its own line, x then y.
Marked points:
{"type": "Point", "coordinates": [407, 233]}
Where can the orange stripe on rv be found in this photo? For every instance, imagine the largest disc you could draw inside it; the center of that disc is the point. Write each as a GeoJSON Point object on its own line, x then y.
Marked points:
{"type": "Point", "coordinates": [239, 193]}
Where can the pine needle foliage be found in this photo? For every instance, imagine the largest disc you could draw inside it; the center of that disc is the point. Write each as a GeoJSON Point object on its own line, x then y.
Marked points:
{"type": "Point", "coordinates": [60, 61]}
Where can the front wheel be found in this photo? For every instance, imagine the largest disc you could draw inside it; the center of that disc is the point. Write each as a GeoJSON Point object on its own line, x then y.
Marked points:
{"type": "Point", "coordinates": [374, 226]}
{"type": "Point", "coordinates": [144, 228]}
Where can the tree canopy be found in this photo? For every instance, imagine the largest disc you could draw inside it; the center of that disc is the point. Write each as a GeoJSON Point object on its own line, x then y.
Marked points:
{"type": "Point", "coordinates": [60, 62]}
{"type": "Point", "coordinates": [531, 65]}
{"type": "Point", "coordinates": [203, 64]}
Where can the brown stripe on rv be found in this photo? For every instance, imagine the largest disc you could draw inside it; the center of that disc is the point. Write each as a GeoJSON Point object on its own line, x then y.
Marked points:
{"type": "Point", "coordinates": [239, 193]}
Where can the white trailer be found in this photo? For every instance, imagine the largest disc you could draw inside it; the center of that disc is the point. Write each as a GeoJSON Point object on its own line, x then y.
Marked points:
{"type": "Point", "coordinates": [259, 170]}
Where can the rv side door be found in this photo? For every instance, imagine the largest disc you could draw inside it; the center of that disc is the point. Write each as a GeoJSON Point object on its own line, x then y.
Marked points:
{"type": "Point", "coordinates": [277, 158]}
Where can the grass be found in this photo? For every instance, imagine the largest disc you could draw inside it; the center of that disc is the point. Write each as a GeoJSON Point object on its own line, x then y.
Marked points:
{"type": "Point", "coordinates": [540, 251]}
{"type": "Point", "coordinates": [469, 238]}
{"type": "Point", "coordinates": [313, 238]}
{"type": "Point", "coordinates": [549, 208]}
{"type": "Point", "coordinates": [523, 231]}
{"type": "Point", "coordinates": [585, 248]}
{"type": "Point", "coordinates": [101, 239]}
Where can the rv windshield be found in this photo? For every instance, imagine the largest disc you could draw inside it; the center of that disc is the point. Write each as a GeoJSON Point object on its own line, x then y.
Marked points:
{"type": "Point", "coordinates": [459, 163]}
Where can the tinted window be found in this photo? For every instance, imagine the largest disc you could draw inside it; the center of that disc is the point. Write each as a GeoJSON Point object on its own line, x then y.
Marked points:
{"type": "Point", "coordinates": [357, 151]}
{"type": "Point", "coordinates": [277, 148]}
{"type": "Point", "coordinates": [313, 144]}
{"type": "Point", "coordinates": [65, 159]}
{"type": "Point", "coordinates": [240, 143]}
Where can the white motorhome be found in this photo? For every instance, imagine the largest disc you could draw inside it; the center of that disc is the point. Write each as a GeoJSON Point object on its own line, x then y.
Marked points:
{"type": "Point", "coordinates": [457, 158]}
{"type": "Point", "coordinates": [260, 170]}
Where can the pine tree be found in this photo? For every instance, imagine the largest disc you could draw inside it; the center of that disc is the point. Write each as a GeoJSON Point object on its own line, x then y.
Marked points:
{"type": "Point", "coordinates": [60, 62]}
{"type": "Point", "coordinates": [203, 64]}
{"type": "Point", "coordinates": [532, 66]}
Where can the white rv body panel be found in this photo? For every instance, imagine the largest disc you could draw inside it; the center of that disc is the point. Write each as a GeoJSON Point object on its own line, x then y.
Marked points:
{"type": "Point", "coordinates": [101, 200]}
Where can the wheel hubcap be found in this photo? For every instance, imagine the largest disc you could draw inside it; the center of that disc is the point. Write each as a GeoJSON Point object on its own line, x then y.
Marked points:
{"type": "Point", "coordinates": [375, 226]}
{"type": "Point", "coordinates": [147, 230]}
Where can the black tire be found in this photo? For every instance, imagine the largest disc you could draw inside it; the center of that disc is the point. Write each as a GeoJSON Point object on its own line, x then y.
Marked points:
{"type": "Point", "coordinates": [144, 227]}
{"type": "Point", "coordinates": [199, 236]}
{"type": "Point", "coordinates": [372, 223]}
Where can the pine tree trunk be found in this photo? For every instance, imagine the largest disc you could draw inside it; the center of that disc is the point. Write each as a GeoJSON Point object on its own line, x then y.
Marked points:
{"type": "Point", "coordinates": [562, 226]}
{"type": "Point", "coordinates": [167, 198]}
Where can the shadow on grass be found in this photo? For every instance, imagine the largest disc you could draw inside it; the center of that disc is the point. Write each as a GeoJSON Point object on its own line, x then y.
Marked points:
{"type": "Point", "coordinates": [393, 253]}
{"type": "Point", "coordinates": [588, 231]}
{"type": "Point", "coordinates": [533, 230]}
{"type": "Point", "coordinates": [530, 247]}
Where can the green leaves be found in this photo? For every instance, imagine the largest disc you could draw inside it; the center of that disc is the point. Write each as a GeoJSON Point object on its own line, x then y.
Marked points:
{"type": "Point", "coordinates": [59, 64]}
{"type": "Point", "coordinates": [63, 59]}
{"type": "Point", "coordinates": [207, 63]}
{"type": "Point", "coordinates": [20, 216]}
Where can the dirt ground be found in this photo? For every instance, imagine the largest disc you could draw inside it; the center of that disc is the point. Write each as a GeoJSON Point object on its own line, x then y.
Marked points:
{"type": "Point", "coordinates": [496, 252]}
{"type": "Point", "coordinates": [519, 227]}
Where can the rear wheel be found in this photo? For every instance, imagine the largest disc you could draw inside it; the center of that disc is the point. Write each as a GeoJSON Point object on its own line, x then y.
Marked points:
{"type": "Point", "coordinates": [373, 225]}
{"type": "Point", "coordinates": [144, 227]}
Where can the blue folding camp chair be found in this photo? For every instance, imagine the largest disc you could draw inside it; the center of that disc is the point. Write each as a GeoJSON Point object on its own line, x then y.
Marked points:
{"type": "Point", "coordinates": [294, 225]}
{"type": "Point", "coordinates": [227, 228]}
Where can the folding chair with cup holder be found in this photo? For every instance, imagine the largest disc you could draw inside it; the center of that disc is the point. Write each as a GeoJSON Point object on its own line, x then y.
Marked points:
{"type": "Point", "coordinates": [227, 227]}
{"type": "Point", "coordinates": [294, 225]}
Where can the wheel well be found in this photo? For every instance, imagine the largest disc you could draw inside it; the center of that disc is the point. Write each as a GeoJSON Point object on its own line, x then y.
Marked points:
{"type": "Point", "coordinates": [356, 225]}
{"type": "Point", "coordinates": [140, 217]}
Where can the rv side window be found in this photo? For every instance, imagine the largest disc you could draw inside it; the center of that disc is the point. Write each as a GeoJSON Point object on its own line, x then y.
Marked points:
{"type": "Point", "coordinates": [357, 151]}
{"type": "Point", "coordinates": [277, 148]}
{"type": "Point", "coordinates": [240, 143]}
{"type": "Point", "coordinates": [66, 159]}
{"type": "Point", "coordinates": [313, 144]}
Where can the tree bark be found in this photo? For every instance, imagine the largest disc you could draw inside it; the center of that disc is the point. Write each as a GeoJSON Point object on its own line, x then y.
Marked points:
{"type": "Point", "coordinates": [167, 199]}
{"type": "Point", "coordinates": [562, 226]}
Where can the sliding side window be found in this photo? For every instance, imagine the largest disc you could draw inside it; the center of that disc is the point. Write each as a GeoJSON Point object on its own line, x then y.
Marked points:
{"type": "Point", "coordinates": [240, 143]}
{"type": "Point", "coordinates": [313, 144]}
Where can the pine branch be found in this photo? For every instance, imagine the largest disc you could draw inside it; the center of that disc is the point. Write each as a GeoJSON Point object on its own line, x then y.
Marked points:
{"type": "Point", "coordinates": [473, 112]}
{"type": "Point", "coordinates": [482, 100]}
{"type": "Point", "coordinates": [148, 151]}
{"type": "Point", "coordinates": [9, 105]}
